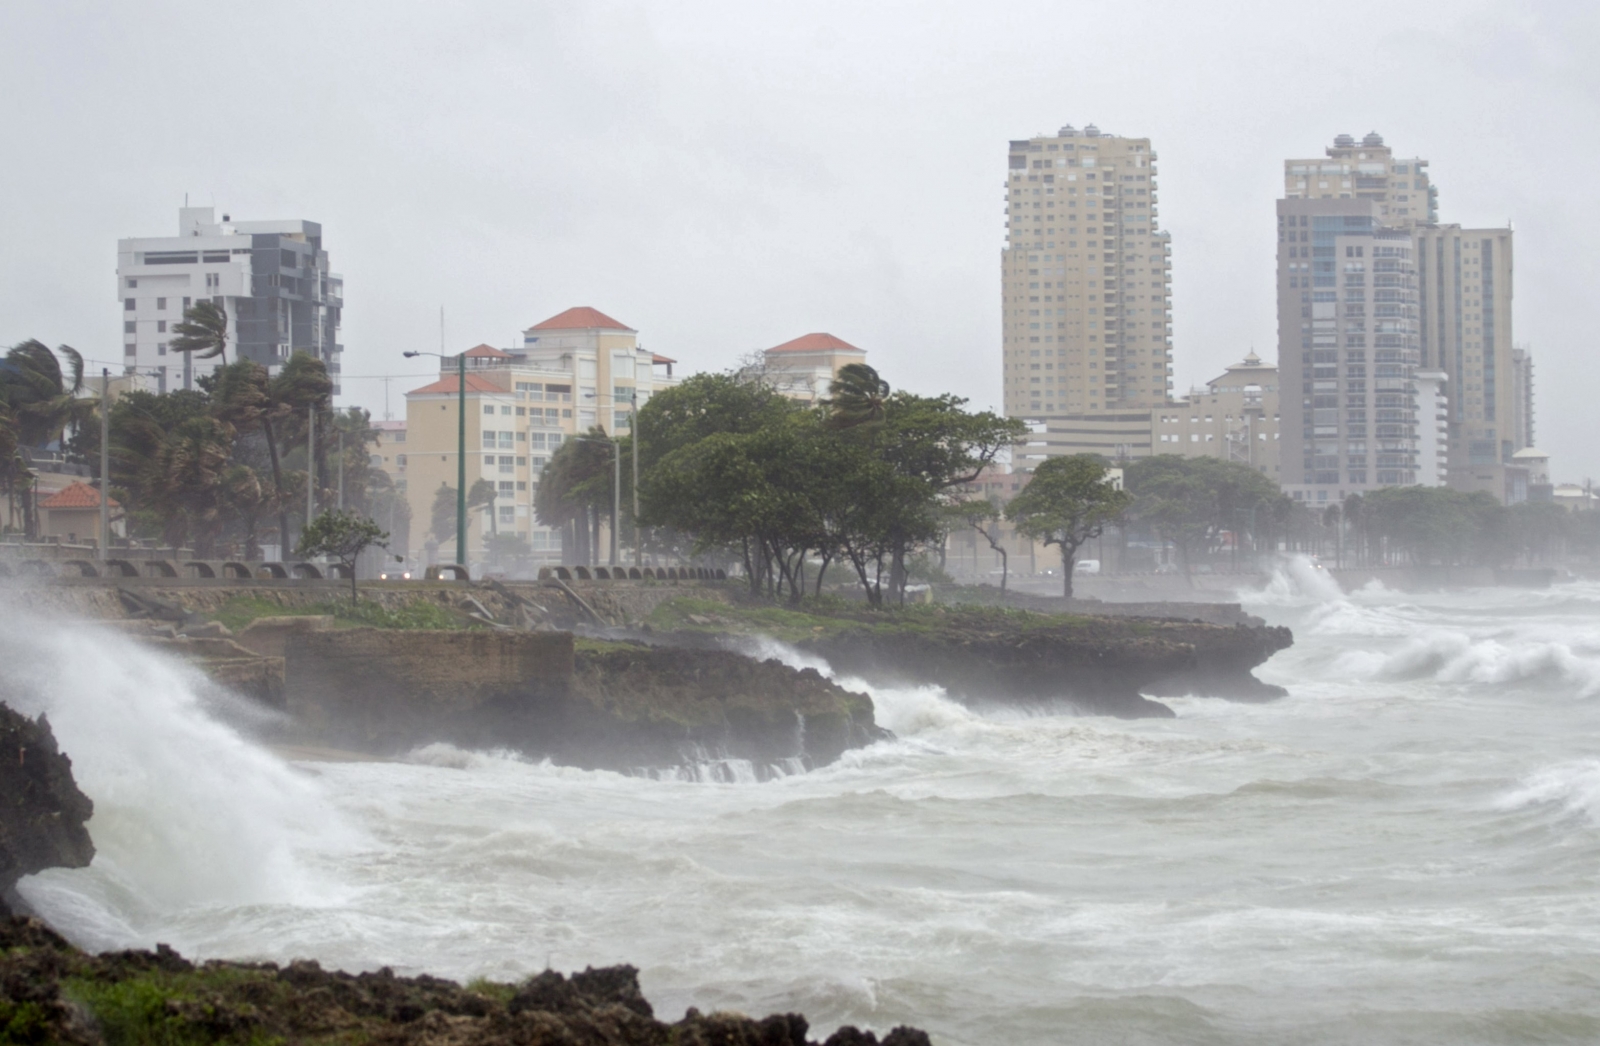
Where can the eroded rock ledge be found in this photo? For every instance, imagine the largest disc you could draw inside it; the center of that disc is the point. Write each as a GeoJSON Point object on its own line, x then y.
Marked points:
{"type": "Point", "coordinates": [52, 992]}
{"type": "Point", "coordinates": [42, 812]}
{"type": "Point", "coordinates": [1100, 665]}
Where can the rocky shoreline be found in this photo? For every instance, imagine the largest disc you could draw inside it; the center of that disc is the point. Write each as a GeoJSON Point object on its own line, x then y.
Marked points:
{"type": "Point", "coordinates": [52, 992]}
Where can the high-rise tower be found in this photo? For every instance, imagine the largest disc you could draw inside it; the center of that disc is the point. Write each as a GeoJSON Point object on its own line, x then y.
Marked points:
{"type": "Point", "coordinates": [1394, 330]}
{"type": "Point", "coordinates": [1085, 278]}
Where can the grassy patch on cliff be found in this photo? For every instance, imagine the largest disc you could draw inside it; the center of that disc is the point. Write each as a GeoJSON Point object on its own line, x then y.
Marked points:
{"type": "Point", "coordinates": [241, 610]}
{"type": "Point", "coordinates": [179, 1009]}
{"type": "Point", "coordinates": [829, 615]}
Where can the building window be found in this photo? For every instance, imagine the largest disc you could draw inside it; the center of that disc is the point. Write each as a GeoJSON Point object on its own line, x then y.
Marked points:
{"type": "Point", "coordinates": [161, 326]}
{"type": "Point", "coordinates": [161, 349]}
{"type": "Point", "coordinates": [132, 283]}
{"type": "Point", "coordinates": [128, 303]}
{"type": "Point", "coordinates": [489, 439]}
{"type": "Point", "coordinates": [161, 303]}
{"type": "Point", "coordinates": [129, 327]}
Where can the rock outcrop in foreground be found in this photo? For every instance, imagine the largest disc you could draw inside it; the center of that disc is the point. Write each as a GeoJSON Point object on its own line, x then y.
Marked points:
{"type": "Point", "coordinates": [42, 812]}
{"type": "Point", "coordinates": [50, 992]}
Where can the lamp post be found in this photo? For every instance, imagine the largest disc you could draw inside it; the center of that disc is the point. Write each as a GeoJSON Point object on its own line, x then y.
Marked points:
{"type": "Point", "coordinates": [461, 450]}
{"type": "Point", "coordinates": [633, 441]}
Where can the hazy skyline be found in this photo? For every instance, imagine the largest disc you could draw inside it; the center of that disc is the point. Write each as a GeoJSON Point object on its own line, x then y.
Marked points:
{"type": "Point", "coordinates": [725, 177]}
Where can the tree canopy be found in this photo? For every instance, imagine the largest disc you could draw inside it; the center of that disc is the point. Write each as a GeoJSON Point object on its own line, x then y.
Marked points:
{"type": "Point", "coordinates": [1069, 500]}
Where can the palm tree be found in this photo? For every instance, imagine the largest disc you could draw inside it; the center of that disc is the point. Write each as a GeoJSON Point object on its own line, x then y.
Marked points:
{"type": "Point", "coordinates": [301, 385]}
{"type": "Point", "coordinates": [203, 331]}
{"type": "Point", "coordinates": [858, 396]}
{"type": "Point", "coordinates": [40, 403]}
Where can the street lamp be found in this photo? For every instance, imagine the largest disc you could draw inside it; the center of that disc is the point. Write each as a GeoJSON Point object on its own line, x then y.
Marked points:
{"type": "Point", "coordinates": [633, 441]}
{"type": "Point", "coordinates": [461, 450]}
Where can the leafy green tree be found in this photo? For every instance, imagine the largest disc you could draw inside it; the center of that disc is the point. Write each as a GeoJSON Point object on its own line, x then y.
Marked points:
{"type": "Point", "coordinates": [203, 331]}
{"type": "Point", "coordinates": [342, 536]}
{"type": "Point", "coordinates": [1191, 501]}
{"type": "Point", "coordinates": [1440, 525]}
{"type": "Point", "coordinates": [983, 515]}
{"type": "Point", "coordinates": [575, 491]}
{"type": "Point", "coordinates": [442, 514]}
{"type": "Point", "coordinates": [1069, 500]}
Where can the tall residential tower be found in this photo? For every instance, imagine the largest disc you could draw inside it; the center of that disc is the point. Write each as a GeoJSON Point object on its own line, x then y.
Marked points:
{"type": "Point", "coordinates": [1085, 278]}
{"type": "Point", "coordinates": [1394, 333]}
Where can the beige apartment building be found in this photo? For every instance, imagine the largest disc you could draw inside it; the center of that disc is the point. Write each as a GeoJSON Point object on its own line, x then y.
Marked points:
{"type": "Point", "coordinates": [1086, 287]}
{"type": "Point", "coordinates": [803, 368]}
{"type": "Point", "coordinates": [572, 372]}
{"type": "Point", "coordinates": [1234, 418]}
{"type": "Point", "coordinates": [1465, 294]}
{"type": "Point", "coordinates": [1400, 189]}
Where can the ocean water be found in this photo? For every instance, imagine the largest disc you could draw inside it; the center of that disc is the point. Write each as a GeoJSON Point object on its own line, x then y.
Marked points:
{"type": "Point", "coordinates": [1404, 850]}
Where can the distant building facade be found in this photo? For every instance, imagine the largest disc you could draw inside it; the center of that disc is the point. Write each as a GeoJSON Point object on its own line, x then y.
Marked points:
{"type": "Point", "coordinates": [1234, 418]}
{"type": "Point", "coordinates": [271, 278]}
{"type": "Point", "coordinates": [1085, 285]}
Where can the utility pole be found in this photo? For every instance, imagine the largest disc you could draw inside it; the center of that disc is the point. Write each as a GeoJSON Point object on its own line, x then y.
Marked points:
{"type": "Point", "coordinates": [633, 434]}
{"type": "Point", "coordinates": [341, 470]}
{"type": "Point", "coordinates": [311, 462]}
{"type": "Point", "coordinates": [105, 462]}
{"type": "Point", "coordinates": [616, 496]}
{"type": "Point", "coordinates": [461, 448]}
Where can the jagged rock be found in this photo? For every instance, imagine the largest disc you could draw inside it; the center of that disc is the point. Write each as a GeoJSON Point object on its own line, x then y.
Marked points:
{"type": "Point", "coordinates": [236, 1002]}
{"type": "Point", "coordinates": [42, 812]}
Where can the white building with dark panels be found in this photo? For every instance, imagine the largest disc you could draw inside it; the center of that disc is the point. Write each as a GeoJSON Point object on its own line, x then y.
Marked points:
{"type": "Point", "coordinates": [272, 278]}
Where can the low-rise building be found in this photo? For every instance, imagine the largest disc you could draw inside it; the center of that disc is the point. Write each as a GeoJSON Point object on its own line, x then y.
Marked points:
{"type": "Point", "coordinates": [72, 515]}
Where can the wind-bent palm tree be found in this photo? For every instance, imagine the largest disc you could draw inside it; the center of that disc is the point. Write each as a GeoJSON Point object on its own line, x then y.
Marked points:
{"type": "Point", "coordinates": [302, 388]}
{"type": "Point", "coordinates": [857, 397]}
{"type": "Point", "coordinates": [203, 331]}
{"type": "Point", "coordinates": [41, 403]}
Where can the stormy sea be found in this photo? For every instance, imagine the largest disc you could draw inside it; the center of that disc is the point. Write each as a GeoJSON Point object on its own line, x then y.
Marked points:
{"type": "Point", "coordinates": [1406, 849]}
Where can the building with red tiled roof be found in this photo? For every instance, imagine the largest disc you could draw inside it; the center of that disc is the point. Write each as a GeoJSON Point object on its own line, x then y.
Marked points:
{"type": "Point", "coordinates": [73, 514]}
{"type": "Point", "coordinates": [818, 343]}
{"type": "Point", "coordinates": [804, 367]}
{"type": "Point", "coordinates": [574, 371]}
{"type": "Point", "coordinates": [452, 384]}
{"type": "Point", "coordinates": [581, 317]}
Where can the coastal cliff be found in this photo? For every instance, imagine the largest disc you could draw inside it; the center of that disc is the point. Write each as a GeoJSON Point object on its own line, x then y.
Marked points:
{"type": "Point", "coordinates": [42, 812]}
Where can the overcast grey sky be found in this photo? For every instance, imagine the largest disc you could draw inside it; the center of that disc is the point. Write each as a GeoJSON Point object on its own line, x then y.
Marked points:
{"type": "Point", "coordinates": [726, 176]}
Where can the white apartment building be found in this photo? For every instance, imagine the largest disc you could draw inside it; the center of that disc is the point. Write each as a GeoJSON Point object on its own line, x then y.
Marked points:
{"type": "Point", "coordinates": [271, 278]}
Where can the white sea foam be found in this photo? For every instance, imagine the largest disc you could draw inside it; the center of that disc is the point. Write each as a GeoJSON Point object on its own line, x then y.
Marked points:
{"type": "Point", "coordinates": [1574, 787]}
{"type": "Point", "coordinates": [187, 812]}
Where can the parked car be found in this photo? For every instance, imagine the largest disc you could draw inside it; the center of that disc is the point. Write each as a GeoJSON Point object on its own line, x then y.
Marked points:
{"type": "Point", "coordinates": [1086, 566]}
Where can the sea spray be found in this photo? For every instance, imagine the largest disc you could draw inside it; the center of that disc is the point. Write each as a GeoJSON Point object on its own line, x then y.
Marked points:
{"type": "Point", "coordinates": [188, 812]}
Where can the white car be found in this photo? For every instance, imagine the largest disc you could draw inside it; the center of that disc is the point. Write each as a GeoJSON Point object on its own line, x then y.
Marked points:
{"type": "Point", "coordinates": [1086, 566]}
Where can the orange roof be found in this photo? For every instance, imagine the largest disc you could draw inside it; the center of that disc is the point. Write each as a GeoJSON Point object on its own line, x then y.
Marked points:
{"type": "Point", "coordinates": [656, 357]}
{"type": "Point", "coordinates": [817, 343]}
{"type": "Point", "coordinates": [488, 350]}
{"type": "Point", "coordinates": [580, 318]}
{"type": "Point", "coordinates": [76, 495]}
{"type": "Point", "coordinates": [450, 385]}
